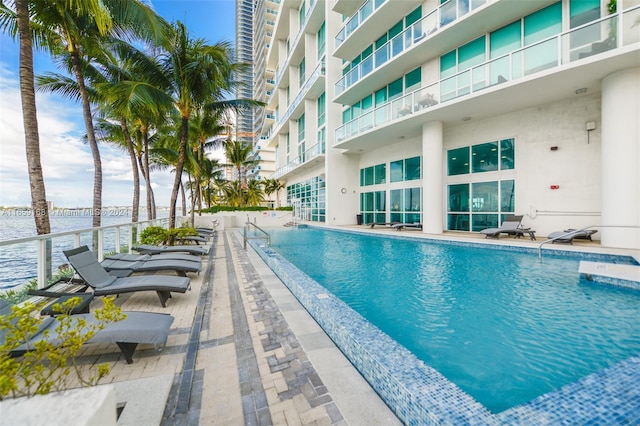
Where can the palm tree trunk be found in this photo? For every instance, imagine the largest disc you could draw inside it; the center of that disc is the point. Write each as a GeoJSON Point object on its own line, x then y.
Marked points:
{"type": "Point", "coordinates": [151, 206]}
{"type": "Point", "coordinates": [91, 137]}
{"type": "Point", "coordinates": [182, 155]}
{"type": "Point", "coordinates": [134, 169]}
{"type": "Point", "coordinates": [30, 120]}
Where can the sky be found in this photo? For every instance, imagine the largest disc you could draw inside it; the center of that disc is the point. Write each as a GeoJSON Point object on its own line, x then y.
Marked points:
{"type": "Point", "coordinates": [66, 160]}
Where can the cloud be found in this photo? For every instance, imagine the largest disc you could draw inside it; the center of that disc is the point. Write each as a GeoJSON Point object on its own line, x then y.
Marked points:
{"type": "Point", "coordinates": [66, 159]}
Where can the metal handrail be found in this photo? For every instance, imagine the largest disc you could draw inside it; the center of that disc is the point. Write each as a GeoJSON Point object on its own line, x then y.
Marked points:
{"type": "Point", "coordinates": [246, 237]}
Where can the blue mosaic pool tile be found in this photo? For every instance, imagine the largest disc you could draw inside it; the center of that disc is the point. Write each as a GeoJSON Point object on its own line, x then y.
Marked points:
{"type": "Point", "coordinates": [419, 395]}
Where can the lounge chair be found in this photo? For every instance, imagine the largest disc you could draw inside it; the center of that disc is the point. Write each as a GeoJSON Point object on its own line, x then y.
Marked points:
{"type": "Point", "coordinates": [181, 267]}
{"type": "Point", "coordinates": [400, 226]}
{"type": "Point", "coordinates": [131, 257]}
{"type": "Point", "coordinates": [371, 225]}
{"type": "Point", "coordinates": [136, 328]}
{"type": "Point", "coordinates": [103, 284]}
{"type": "Point", "coordinates": [151, 249]}
{"type": "Point", "coordinates": [568, 235]}
{"type": "Point", "coordinates": [193, 239]}
{"type": "Point", "coordinates": [510, 226]}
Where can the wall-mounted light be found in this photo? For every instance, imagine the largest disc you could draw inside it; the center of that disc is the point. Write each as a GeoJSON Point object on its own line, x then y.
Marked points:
{"type": "Point", "coordinates": [591, 126]}
{"type": "Point", "coordinates": [343, 190]}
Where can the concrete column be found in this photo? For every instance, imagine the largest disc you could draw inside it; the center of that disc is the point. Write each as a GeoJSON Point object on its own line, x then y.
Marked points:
{"type": "Point", "coordinates": [432, 163]}
{"type": "Point", "coordinates": [621, 159]}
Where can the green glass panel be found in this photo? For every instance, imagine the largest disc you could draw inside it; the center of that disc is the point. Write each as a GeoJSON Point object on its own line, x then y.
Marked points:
{"type": "Point", "coordinates": [412, 199]}
{"type": "Point", "coordinates": [484, 157]}
{"type": "Point", "coordinates": [395, 199]}
{"type": "Point", "coordinates": [362, 177]}
{"type": "Point", "coordinates": [484, 197]}
{"type": "Point", "coordinates": [471, 54]}
{"type": "Point", "coordinates": [380, 217]}
{"type": "Point", "coordinates": [380, 201]}
{"type": "Point", "coordinates": [507, 154]}
{"type": "Point", "coordinates": [381, 41]}
{"type": "Point", "coordinates": [583, 11]}
{"type": "Point", "coordinates": [368, 176]}
{"type": "Point", "coordinates": [368, 218]}
{"type": "Point", "coordinates": [346, 115]}
{"type": "Point", "coordinates": [395, 89]}
{"type": "Point", "coordinates": [366, 52]}
{"type": "Point", "coordinates": [368, 201]}
{"type": "Point", "coordinates": [484, 221]}
{"type": "Point", "coordinates": [381, 96]}
{"type": "Point", "coordinates": [448, 64]}
{"type": "Point", "coordinates": [458, 198]}
{"type": "Point", "coordinates": [302, 73]}
{"type": "Point", "coordinates": [414, 16]}
{"type": "Point", "coordinates": [356, 110]}
{"type": "Point", "coordinates": [395, 30]}
{"type": "Point", "coordinates": [321, 109]}
{"type": "Point", "coordinates": [321, 40]}
{"type": "Point", "coordinates": [458, 222]}
{"type": "Point", "coordinates": [412, 218]}
{"type": "Point", "coordinates": [505, 40]}
{"type": "Point", "coordinates": [458, 161]}
{"type": "Point", "coordinates": [395, 171]}
{"type": "Point", "coordinates": [412, 78]}
{"type": "Point", "coordinates": [507, 196]}
{"type": "Point", "coordinates": [395, 217]}
{"type": "Point", "coordinates": [412, 168]}
{"type": "Point", "coordinates": [543, 24]}
{"type": "Point", "coordinates": [380, 173]}
{"type": "Point", "coordinates": [301, 128]}
{"type": "Point", "coordinates": [367, 102]}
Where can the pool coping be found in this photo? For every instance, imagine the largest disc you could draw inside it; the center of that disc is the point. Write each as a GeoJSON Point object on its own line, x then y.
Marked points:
{"type": "Point", "coordinates": [418, 394]}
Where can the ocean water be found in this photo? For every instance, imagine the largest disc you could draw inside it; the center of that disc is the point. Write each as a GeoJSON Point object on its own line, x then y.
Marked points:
{"type": "Point", "coordinates": [503, 326]}
{"type": "Point", "coordinates": [18, 261]}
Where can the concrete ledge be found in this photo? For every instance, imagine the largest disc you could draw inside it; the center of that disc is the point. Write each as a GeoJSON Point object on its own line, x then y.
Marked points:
{"type": "Point", "coordinates": [621, 275]}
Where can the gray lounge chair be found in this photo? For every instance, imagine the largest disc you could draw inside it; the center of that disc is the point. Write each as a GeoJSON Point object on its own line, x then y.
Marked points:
{"type": "Point", "coordinates": [181, 267]}
{"type": "Point", "coordinates": [151, 249]}
{"type": "Point", "coordinates": [93, 273]}
{"type": "Point", "coordinates": [131, 257]}
{"type": "Point", "coordinates": [510, 226]}
{"type": "Point", "coordinates": [568, 235]}
{"type": "Point", "coordinates": [401, 226]}
{"type": "Point", "coordinates": [136, 328]}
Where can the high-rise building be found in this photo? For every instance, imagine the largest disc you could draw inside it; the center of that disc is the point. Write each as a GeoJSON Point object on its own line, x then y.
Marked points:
{"type": "Point", "coordinates": [455, 114]}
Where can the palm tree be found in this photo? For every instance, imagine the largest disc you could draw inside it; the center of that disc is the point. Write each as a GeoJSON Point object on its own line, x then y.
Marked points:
{"type": "Point", "coordinates": [30, 119]}
{"type": "Point", "coordinates": [238, 157]}
{"type": "Point", "coordinates": [253, 195]}
{"type": "Point", "coordinates": [81, 31]}
{"type": "Point", "coordinates": [271, 186]}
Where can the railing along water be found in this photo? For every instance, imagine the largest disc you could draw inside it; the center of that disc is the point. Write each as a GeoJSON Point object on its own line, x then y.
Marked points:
{"type": "Point", "coordinates": [45, 243]}
{"type": "Point", "coordinates": [577, 231]}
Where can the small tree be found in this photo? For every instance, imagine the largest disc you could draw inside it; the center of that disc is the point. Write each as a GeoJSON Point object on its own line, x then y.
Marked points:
{"type": "Point", "coordinates": [48, 364]}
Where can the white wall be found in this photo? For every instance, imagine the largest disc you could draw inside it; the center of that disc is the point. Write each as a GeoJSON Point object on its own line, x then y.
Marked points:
{"type": "Point", "coordinates": [574, 166]}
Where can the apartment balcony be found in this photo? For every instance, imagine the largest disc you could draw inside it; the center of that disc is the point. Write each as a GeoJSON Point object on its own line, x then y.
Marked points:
{"type": "Point", "coordinates": [368, 23]}
{"type": "Point", "coordinates": [313, 87]}
{"type": "Point", "coordinates": [427, 39]}
{"type": "Point", "coordinates": [311, 24]}
{"type": "Point", "coordinates": [310, 158]}
{"type": "Point", "coordinates": [560, 67]}
{"type": "Point", "coordinates": [345, 7]}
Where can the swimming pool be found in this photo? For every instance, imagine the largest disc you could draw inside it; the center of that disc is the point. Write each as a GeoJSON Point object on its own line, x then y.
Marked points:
{"type": "Point", "coordinates": [501, 325]}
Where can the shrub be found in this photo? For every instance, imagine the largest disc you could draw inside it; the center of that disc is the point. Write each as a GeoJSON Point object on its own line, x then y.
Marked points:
{"type": "Point", "coordinates": [48, 367]}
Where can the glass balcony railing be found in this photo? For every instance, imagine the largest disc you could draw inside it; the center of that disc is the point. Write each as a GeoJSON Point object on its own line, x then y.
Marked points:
{"type": "Point", "coordinates": [416, 33]}
{"type": "Point", "coordinates": [317, 73]}
{"type": "Point", "coordinates": [308, 155]}
{"type": "Point", "coordinates": [590, 39]}
{"type": "Point", "coordinates": [358, 18]}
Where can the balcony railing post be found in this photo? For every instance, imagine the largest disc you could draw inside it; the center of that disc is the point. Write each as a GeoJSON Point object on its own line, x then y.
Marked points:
{"type": "Point", "coordinates": [44, 262]}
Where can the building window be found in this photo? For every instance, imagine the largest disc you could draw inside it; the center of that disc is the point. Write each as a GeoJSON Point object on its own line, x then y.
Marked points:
{"type": "Point", "coordinates": [373, 206]}
{"type": "Point", "coordinates": [485, 157]}
{"type": "Point", "coordinates": [405, 205]}
{"type": "Point", "coordinates": [479, 205]}
{"type": "Point", "coordinates": [321, 41]}
{"type": "Point", "coordinates": [373, 175]}
{"type": "Point", "coordinates": [301, 73]}
{"type": "Point", "coordinates": [310, 196]}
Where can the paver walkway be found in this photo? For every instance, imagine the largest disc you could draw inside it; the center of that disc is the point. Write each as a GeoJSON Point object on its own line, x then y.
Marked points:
{"type": "Point", "coordinates": [233, 358]}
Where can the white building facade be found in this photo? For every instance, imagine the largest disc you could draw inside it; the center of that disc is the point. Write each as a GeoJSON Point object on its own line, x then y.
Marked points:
{"type": "Point", "coordinates": [457, 114]}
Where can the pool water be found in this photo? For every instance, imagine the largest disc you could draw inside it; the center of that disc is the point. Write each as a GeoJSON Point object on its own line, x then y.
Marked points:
{"type": "Point", "coordinates": [502, 325]}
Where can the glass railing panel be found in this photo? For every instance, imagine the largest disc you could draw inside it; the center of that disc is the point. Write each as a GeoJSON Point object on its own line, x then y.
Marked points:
{"type": "Point", "coordinates": [541, 56]}
{"type": "Point", "coordinates": [448, 13]}
{"type": "Point", "coordinates": [590, 39]}
{"type": "Point", "coordinates": [352, 24]}
{"type": "Point", "coordinates": [463, 7]}
{"type": "Point", "coordinates": [477, 3]}
{"type": "Point", "coordinates": [366, 66]}
{"type": "Point", "coordinates": [381, 55]}
{"type": "Point", "coordinates": [629, 27]}
{"type": "Point", "coordinates": [499, 70]}
{"type": "Point", "coordinates": [366, 10]}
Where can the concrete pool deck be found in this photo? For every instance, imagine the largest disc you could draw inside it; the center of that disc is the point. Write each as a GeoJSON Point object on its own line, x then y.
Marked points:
{"type": "Point", "coordinates": [242, 350]}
